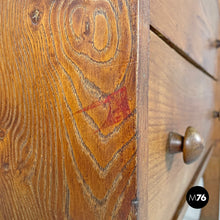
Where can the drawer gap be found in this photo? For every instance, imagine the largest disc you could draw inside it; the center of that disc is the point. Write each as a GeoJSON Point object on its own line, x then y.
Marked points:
{"type": "Point", "coordinates": [180, 52]}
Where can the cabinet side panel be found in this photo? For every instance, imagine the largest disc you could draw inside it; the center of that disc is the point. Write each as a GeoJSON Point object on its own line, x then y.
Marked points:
{"type": "Point", "coordinates": [68, 109]}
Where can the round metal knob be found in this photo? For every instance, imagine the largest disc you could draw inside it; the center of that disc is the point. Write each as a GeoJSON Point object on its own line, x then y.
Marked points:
{"type": "Point", "coordinates": [191, 144]}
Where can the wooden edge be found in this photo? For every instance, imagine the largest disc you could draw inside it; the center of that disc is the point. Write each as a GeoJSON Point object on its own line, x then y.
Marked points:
{"type": "Point", "coordinates": [182, 207]}
{"type": "Point", "coordinates": [142, 106]}
{"type": "Point", "coordinates": [219, 6]}
{"type": "Point", "coordinates": [218, 54]}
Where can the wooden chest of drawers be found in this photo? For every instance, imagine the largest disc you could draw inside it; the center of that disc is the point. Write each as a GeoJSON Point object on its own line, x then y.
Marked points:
{"type": "Point", "coordinates": [182, 91]}
{"type": "Point", "coordinates": [89, 92]}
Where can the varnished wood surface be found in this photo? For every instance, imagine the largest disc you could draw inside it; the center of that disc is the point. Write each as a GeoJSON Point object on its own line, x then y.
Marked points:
{"type": "Point", "coordinates": [67, 109]}
{"type": "Point", "coordinates": [179, 96]}
{"type": "Point", "coordinates": [192, 25]}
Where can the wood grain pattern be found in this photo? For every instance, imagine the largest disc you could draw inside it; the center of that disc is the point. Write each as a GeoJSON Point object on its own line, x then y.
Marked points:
{"type": "Point", "coordinates": [179, 96]}
{"type": "Point", "coordinates": [60, 158]}
{"type": "Point", "coordinates": [192, 25]}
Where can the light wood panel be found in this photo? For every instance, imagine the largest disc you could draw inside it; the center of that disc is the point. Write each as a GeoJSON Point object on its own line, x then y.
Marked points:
{"type": "Point", "coordinates": [179, 96]}
{"type": "Point", "coordinates": [142, 106]}
{"type": "Point", "coordinates": [67, 109]}
{"type": "Point", "coordinates": [192, 25]}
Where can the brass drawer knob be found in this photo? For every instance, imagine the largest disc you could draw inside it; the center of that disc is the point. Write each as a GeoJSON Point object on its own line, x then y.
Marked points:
{"type": "Point", "coordinates": [191, 144]}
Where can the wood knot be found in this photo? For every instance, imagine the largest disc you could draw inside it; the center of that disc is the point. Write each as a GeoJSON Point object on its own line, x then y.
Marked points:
{"type": "Point", "coordinates": [87, 27]}
{"type": "Point", "coordinates": [2, 134]}
{"type": "Point", "coordinates": [35, 16]}
{"type": "Point", "coordinates": [5, 166]}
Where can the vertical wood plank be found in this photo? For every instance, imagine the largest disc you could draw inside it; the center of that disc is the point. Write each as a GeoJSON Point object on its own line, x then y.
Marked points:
{"type": "Point", "coordinates": [142, 107]}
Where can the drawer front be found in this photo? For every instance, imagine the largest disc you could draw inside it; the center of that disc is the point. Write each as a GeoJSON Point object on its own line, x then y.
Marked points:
{"type": "Point", "coordinates": [192, 25]}
{"type": "Point", "coordinates": [179, 96]}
